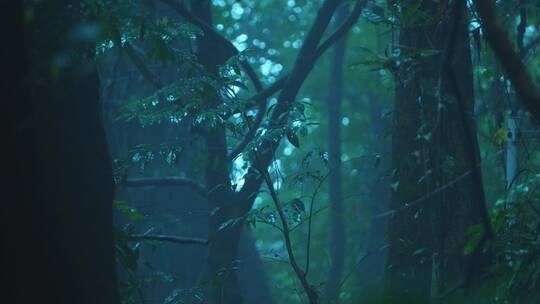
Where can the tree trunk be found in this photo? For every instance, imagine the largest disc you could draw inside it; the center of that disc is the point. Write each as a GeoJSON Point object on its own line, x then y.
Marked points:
{"type": "Point", "coordinates": [65, 253]}
{"type": "Point", "coordinates": [337, 230]}
{"type": "Point", "coordinates": [434, 142]}
{"type": "Point", "coordinates": [371, 272]}
{"type": "Point", "coordinates": [224, 205]}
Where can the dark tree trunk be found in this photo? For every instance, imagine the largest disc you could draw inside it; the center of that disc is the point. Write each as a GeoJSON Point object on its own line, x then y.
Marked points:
{"type": "Point", "coordinates": [371, 271]}
{"type": "Point", "coordinates": [224, 205]}
{"type": "Point", "coordinates": [65, 250]}
{"type": "Point", "coordinates": [434, 142]}
{"type": "Point", "coordinates": [337, 230]}
{"type": "Point", "coordinates": [408, 276]}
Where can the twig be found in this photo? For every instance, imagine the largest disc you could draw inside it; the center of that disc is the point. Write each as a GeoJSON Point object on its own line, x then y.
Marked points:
{"type": "Point", "coordinates": [167, 181]}
{"type": "Point", "coordinates": [432, 193]}
{"type": "Point", "coordinates": [311, 293]}
{"type": "Point", "coordinates": [346, 277]}
{"type": "Point", "coordinates": [169, 238]}
{"type": "Point", "coordinates": [308, 246]}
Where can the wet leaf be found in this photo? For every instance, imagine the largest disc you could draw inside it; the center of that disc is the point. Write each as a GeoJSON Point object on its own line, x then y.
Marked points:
{"type": "Point", "coordinates": [293, 138]}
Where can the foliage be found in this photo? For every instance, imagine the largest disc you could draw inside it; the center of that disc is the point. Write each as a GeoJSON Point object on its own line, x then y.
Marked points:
{"type": "Point", "coordinates": [268, 35]}
{"type": "Point", "coordinates": [516, 221]}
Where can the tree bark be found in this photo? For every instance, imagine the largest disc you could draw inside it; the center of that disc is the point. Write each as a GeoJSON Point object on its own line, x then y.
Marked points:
{"type": "Point", "coordinates": [335, 95]}
{"type": "Point", "coordinates": [65, 253]}
{"type": "Point", "coordinates": [434, 142]}
{"type": "Point", "coordinates": [224, 205]}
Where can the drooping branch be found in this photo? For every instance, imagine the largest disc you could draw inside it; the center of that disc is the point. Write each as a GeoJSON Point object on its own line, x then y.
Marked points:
{"type": "Point", "coordinates": [510, 60]}
{"type": "Point", "coordinates": [169, 238]}
{"type": "Point", "coordinates": [167, 181]}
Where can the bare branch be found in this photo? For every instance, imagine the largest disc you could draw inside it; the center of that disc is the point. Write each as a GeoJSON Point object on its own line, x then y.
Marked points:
{"type": "Point", "coordinates": [169, 239]}
{"type": "Point", "coordinates": [502, 47]}
{"type": "Point", "coordinates": [261, 96]}
{"type": "Point", "coordinates": [167, 181]}
{"type": "Point", "coordinates": [310, 292]}
{"type": "Point", "coordinates": [310, 221]}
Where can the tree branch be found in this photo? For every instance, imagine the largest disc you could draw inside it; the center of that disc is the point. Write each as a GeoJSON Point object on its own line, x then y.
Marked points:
{"type": "Point", "coordinates": [207, 29]}
{"type": "Point", "coordinates": [310, 292]}
{"type": "Point", "coordinates": [167, 181]}
{"type": "Point", "coordinates": [262, 95]}
{"type": "Point", "coordinates": [342, 30]}
{"type": "Point", "coordinates": [212, 33]}
{"type": "Point", "coordinates": [269, 91]}
{"type": "Point", "coordinates": [331, 40]}
{"type": "Point", "coordinates": [305, 60]}
{"type": "Point", "coordinates": [141, 66]}
{"type": "Point", "coordinates": [168, 238]}
{"type": "Point", "coordinates": [502, 47]}
{"type": "Point", "coordinates": [258, 118]}
{"type": "Point", "coordinates": [310, 221]}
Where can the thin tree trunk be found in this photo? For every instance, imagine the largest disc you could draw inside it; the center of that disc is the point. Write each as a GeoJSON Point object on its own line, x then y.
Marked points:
{"type": "Point", "coordinates": [371, 273]}
{"type": "Point", "coordinates": [337, 230]}
{"type": "Point", "coordinates": [223, 203]}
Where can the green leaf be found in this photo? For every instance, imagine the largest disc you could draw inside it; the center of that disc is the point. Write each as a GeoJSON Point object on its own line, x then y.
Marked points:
{"type": "Point", "coordinates": [130, 212]}
{"type": "Point", "coordinates": [471, 246]}
{"type": "Point", "coordinates": [419, 251]}
{"type": "Point", "coordinates": [298, 205]}
{"type": "Point", "coordinates": [410, 12]}
{"type": "Point", "coordinates": [476, 232]}
{"type": "Point", "coordinates": [293, 138]}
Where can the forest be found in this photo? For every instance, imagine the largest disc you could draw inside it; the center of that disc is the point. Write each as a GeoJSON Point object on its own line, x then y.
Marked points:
{"type": "Point", "coordinates": [271, 151]}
